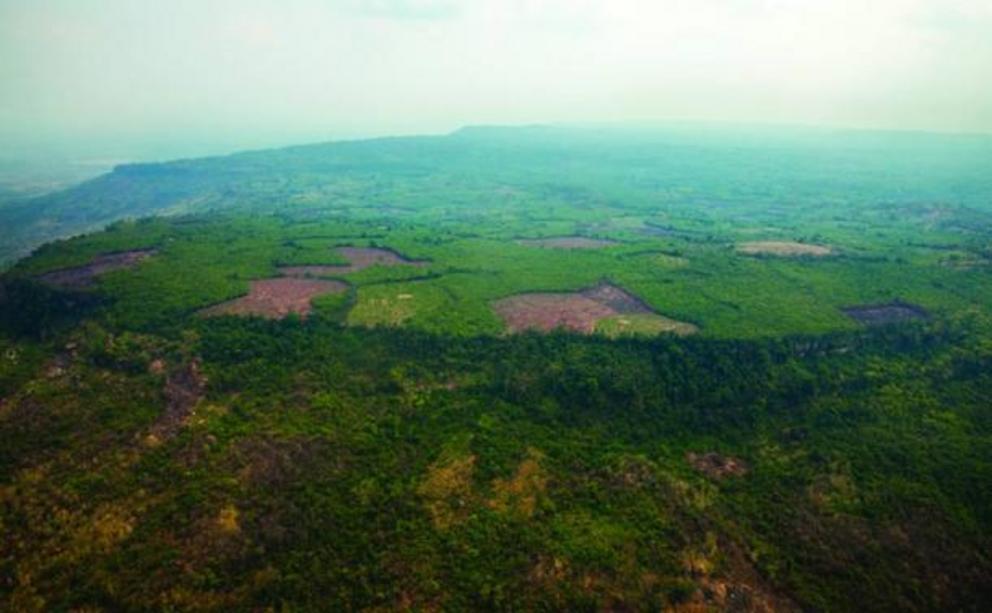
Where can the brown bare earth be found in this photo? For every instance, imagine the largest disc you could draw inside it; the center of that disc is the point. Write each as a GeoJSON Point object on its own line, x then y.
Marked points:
{"type": "Point", "coordinates": [84, 276]}
{"type": "Point", "coordinates": [547, 311]}
{"type": "Point", "coordinates": [881, 314]}
{"type": "Point", "coordinates": [359, 258]}
{"type": "Point", "coordinates": [717, 466]}
{"type": "Point", "coordinates": [785, 248]}
{"type": "Point", "coordinates": [567, 242]}
{"type": "Point", "coordinates": [579, 311]}
{"type": "Point", "coordinates": [277, 298]}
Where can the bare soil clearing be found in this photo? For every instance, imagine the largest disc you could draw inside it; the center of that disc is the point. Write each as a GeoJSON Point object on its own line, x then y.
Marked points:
{"type": "Point", "coordinates": [881, 314]}
{"type": "Point", "coordinates": [547, 311]}
{"type": "Point", "coordinates": [81, 277]}
{"type": "Point", "coordinates": [567, 242]}
{"type": "Point", "coordinates": [783, 248]}
{"type": "Point", "coordinates": [580, 311]}
{"type": "Point", "coordinates": [277, 298]}
{"type": "Point", "coordinates": [359, 258]}
{"type": "Point", "coordinates": [717, 466]}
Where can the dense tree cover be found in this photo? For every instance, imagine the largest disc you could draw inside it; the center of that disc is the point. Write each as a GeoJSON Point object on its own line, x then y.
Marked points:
{"type": "Point", "coordinates": [391, 468]}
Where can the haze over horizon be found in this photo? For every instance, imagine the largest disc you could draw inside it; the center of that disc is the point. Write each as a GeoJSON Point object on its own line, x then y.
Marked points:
{"type": "Point", "coordinates": [145, 79]}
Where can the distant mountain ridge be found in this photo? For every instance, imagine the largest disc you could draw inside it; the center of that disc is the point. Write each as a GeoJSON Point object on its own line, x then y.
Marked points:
{"type": "Point", "coordinates": [142, 189]}
{"type": "Point", "coordinates": [492, 155]}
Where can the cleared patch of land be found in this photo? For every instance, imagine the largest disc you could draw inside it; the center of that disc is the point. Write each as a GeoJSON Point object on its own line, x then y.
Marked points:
{"type": "Point", "coordinates": [84, 276]}
{"type": "Point", "coordinates": [277, 298]}
{"type": "Point", "coordinates": [784, 248]}
{"type": "Point", "coordinates": [567, 242]}
{"type": "Point", "coordinates": [359, 258]}
{"type": "Point", "coordinates": [547, 311]}
{"type": "Point", "coordinates": [881, 314]}
{"type": "Point", "coordinates": [601, 308]}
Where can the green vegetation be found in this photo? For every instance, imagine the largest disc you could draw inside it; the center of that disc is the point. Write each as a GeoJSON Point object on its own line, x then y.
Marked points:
{"type": "Point", "coordinates": [397, 449]}
{"type": "Point", "coordinates": [642, 324]}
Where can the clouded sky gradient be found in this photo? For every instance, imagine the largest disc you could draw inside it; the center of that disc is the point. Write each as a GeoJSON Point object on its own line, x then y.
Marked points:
{"type": "Point", "coordinates": [232, 74]}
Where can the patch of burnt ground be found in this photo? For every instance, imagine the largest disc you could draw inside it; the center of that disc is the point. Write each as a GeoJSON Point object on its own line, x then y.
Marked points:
{"type": "Point", "coordinates": [81, 277]}
{"type": "Point", "coordinates": [359, 258]}
{"type": "Point", "coordinates": [883, 314]}
{"type": "Point", "coordinates": [617, 299]}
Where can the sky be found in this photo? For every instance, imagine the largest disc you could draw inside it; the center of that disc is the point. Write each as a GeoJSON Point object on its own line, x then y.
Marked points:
{"type": "Point", "coordinates": [186, 77]}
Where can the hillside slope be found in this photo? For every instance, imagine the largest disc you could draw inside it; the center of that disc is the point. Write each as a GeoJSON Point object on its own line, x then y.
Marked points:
{"type": "Point", "coordinates": [702, 165]}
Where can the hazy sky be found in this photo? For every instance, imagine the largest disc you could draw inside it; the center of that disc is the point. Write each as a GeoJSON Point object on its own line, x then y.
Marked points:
{"type": "Point", "coordinates": [244, 73]}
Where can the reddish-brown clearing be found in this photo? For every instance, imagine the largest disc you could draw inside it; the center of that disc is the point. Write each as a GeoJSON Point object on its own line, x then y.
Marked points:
{"type": "Point", "coordinates": [84, 276]}
{"type": "Point", "coordinates": [277, 298]}
{"type": "Point", "coordinates": [547, 311]}
{"type": "Point", "coordinates": [359, 258]}
{"type": "Point", "coordinates": [579, 311]}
